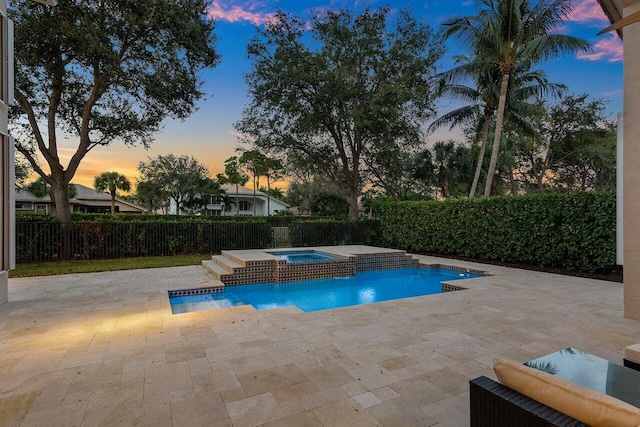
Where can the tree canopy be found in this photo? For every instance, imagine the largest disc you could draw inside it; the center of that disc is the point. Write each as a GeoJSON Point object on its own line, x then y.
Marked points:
{"type": "Point", "coordinates": [103, 71]}
{"type": "Point", "coordinates": [182, 178]}
{"type": "Point", "coordinates": [326, 93]}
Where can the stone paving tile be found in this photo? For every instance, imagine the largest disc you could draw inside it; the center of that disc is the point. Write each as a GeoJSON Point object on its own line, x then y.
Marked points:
{"type": "Point", "coordinates": [367, 400]}
{"type": "Point", "coordinates": [198, 411]}
{"type": "Point", "coordinates": [104, 349]}
{"type": "Point", "coordinates": [345, 413]}
{"type": "Point", "coordinates": [255, 411]}
{"type": "Point", "coordinates": [306, 419]}
{"type": "Point", "coordinates": [271, 379]}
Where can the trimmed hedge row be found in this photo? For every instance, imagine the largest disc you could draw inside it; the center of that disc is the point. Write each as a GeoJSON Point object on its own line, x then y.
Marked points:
{"type": "Point", "coordinates": [574, 231]}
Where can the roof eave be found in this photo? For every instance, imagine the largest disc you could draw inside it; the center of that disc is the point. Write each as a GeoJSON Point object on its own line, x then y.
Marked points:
{"type": "Point", "coordinates": [613, 13]}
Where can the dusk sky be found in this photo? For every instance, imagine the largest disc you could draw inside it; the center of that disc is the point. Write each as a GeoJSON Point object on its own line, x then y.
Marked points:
{"type": "Point", "coordinates": [209, 136]}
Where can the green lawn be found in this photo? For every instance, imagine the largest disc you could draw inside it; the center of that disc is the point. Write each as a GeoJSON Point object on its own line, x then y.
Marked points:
{"type": "Point", "coordinates": [92, 266]}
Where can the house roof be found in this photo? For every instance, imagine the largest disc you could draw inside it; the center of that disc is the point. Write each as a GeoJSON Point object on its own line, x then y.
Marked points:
{"type": "Point", "coordinates": [84, 196]}
{"type": "Point", "coordinates": [614, 9]}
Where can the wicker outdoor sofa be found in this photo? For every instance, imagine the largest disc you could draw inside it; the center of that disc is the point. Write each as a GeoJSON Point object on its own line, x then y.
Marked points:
{"type": "Point", "coordinates": [495, 405]}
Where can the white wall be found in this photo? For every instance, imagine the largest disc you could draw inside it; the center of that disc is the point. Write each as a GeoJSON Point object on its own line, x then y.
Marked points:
{"type": "Point", "coordinates": [6, 155]}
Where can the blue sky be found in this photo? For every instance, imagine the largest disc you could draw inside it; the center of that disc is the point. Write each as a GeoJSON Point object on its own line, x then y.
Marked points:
{"type": "Point", "coordinates": [208, 134]}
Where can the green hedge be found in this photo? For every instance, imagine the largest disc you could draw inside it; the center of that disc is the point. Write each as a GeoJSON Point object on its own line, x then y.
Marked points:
{"type": "Point", "coordinates": [575, 231]}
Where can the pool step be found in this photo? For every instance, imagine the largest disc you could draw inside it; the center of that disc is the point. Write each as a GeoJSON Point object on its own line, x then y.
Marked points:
{"type": "Point", "coordinates": [226, 262]}
{"type": "Point", "coordinates": [219, 272]}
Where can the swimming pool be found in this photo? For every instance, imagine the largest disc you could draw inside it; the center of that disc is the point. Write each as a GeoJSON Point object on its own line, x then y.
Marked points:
{"type": "Point", "coordinates": [322, 294]}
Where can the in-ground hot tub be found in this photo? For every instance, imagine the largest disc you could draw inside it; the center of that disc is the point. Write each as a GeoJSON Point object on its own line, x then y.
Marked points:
{"type": "Point", "coordinates": [303, 256]}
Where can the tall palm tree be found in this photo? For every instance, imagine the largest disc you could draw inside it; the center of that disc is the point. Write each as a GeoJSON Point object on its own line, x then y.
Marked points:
{"type": "Point", "coordinates": [525, 87]}
{"type": "Point", "coordinates": [512, 32]}
{"type": "Point", "coordinates": [234, 175]}
{"type": "Point", "coordinates": [111, 182]}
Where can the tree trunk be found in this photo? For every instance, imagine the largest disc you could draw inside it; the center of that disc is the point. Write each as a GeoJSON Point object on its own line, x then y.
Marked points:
{"type": "Point", "coordinates": [61, 197]}
{"type": "Point", "coordinates": [540, 184]}
{"type": "Point", "coordinates": [268, 196]}
{"type": "Point", "coordinates": [254, 195]}
{"type": "Point", "coordinates": [63, 214]}
{"type": "Point", "coordinates": [495, 150]}
{"type": "Point", "coordinates": [483, 147]}
{"type": "Point", "coordinates": [113, 203]}
{"type": "Point", "coordinates": [237, 200]}
{"type": "Point", "coordinates": [353, 205]}
{"type": "Point", "coordinates": [443, 181]}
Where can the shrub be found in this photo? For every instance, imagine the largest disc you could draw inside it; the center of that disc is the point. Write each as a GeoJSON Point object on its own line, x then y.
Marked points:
{"type": "Point", "coordinates": [574, 231]}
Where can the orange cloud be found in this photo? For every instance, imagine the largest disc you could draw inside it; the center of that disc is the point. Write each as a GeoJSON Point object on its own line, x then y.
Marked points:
{"type": "Point", "coordinates": [233, 13]}
{"type": "Point", "coordinates": [587, 10]}
{"type": "Point", "coordinates": [608, 49]}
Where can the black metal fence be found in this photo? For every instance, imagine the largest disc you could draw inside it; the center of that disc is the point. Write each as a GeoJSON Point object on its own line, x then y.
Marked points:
{"type": "Point", "coordinates": [50, 241]}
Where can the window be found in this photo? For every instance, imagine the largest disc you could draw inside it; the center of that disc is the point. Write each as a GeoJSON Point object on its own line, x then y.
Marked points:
{"type": "Point", "coordinates": [244, 206]}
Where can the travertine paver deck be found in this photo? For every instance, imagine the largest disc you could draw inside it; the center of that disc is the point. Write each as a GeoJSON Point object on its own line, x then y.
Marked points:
{"type": "Point", "coordinates": [104, 349]}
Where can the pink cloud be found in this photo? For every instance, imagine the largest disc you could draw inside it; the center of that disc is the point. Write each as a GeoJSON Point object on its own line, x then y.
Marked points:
{"type": "Point", "coordinates": [233, 13]}
{"type": "Point", "coordinates": [587, 10]}
{"type": "Point", "coordinates": [608, 49]}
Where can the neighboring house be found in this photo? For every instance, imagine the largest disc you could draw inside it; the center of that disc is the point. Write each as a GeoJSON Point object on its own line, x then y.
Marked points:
{"type": "Point", "coordinates": [87, 200]}
{"type": "Point", "coordinates": [216, 206]}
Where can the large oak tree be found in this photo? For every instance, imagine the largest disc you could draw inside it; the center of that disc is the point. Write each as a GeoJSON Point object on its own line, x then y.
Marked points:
{"type": "Point", "coordinates": [99, 71]}
{"type": "Point", "coordinates": [325, 93]}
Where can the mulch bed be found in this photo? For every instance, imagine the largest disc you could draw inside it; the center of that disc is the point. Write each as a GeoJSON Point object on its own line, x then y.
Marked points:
{"type": "Point", "coordinates": [614, 275]}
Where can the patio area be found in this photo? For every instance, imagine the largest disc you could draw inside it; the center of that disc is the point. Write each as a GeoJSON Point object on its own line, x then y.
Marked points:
{"type": "Point", "coordinates": [103, 349]}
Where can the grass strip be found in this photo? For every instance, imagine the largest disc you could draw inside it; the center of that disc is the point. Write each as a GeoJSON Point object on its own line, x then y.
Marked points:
{"type": "Point", "coordinates": [94, 266]}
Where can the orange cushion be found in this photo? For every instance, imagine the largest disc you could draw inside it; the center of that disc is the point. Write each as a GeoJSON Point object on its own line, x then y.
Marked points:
{"type": "Point", "coordinates": [590, 407]}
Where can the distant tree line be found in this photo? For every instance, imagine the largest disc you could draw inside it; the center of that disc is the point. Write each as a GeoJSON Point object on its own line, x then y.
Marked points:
{"type": "Point", "coordinates": [341, 105]}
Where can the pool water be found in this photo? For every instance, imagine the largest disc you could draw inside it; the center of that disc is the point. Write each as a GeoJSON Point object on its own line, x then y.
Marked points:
{"type": "Point", "coordinates": [293, 257]}
{"type": "Point", "coordinates": [322, 294]}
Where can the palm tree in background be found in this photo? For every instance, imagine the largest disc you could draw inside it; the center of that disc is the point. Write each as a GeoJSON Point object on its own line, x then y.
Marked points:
{"type": "Point", "coordinates": [233, 175]}
{"type": "Point", "coordinates": [482, 98]}
{"type": "Point", "coordinates": [508, 33]}
{"type": "Point", "coordinates": [111, 182]}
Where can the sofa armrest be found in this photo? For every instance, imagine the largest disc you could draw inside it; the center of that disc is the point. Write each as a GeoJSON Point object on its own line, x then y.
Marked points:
{"type": "Point", "coordinates": [631, 364]}
{"type": "Point", "coordinates": [494, 405]}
